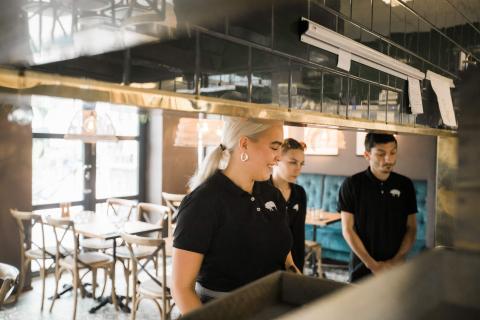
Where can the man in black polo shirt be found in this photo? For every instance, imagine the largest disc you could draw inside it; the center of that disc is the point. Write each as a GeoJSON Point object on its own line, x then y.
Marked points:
{"type": "Point", "coordinates": [378, 209]}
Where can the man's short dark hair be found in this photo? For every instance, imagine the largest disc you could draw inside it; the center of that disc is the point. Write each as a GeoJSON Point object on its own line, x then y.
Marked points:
{"type": "Point", "coordinates": [372, 139]}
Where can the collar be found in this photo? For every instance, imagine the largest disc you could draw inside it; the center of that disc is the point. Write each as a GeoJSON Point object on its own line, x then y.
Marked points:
{"type": "Point", "coordinates": [230, 185]}
{"type": "Point", "coordinates": [372, 177]}
{"type": "Point", "coordinates": [293, 190]}
{"type": "Point", "coordinates": [290, 184]}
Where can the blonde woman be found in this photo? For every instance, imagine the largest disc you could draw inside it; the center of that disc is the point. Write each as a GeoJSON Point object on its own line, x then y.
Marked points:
{"type": "Point", "coordinates": [231, 228]}
{"type": "Point", "coordinates": [284, 176]}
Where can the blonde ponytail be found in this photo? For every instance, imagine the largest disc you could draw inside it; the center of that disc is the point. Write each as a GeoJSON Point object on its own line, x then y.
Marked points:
{"type": "Point", "coordinates": [233, 129]}
{"type": "Point", "coordinates": [207, 168]}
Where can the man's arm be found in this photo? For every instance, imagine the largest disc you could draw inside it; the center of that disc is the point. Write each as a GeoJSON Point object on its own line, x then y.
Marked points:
{"type": "Point", "coordinates": [408, 239]}
{"type": "Point", "coordinates": [290, 265]}
{"type": "Point", "coordinates": [356, 243]}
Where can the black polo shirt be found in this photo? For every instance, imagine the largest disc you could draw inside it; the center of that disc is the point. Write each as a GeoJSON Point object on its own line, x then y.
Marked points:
{"type": "Point", "coordinates": [380, 210]}
{"type": "Point", "coordinates": [242, 236]}
{"type": "Point", "coordinates": [297, 210]}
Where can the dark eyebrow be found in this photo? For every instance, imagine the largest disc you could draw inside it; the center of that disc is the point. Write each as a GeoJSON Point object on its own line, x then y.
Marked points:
{"type": "Point", "coordinates": [383, 150]}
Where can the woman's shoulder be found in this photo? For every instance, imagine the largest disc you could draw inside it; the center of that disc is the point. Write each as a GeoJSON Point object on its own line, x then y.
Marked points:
{"type": "Point", "coordinates": [204, 194]}
{"type": "Point", "coordinates": [298, 189]}
{"type": "Point", "coordinates": [214, 182]}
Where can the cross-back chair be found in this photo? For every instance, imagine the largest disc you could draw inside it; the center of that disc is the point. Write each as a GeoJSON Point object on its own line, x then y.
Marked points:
{"type": "Point", "coordinates": [148, 285]}
{"type": "Point", "coordinates": [64, 231]}
{"type": "Point", "coordinates": [151, 213]}
{"type": "Point", "coordinates": [116, 208]}
{"type": "Point", "coordinates": [173, 200]}
{"type": "Point", "coordinates": [8, 280]}
{"type": "Point", "coordinates": [31, 250]}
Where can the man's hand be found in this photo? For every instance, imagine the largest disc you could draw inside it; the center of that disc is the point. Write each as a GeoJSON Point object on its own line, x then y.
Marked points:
{"type": "Point", "coordinates": [397, 260]}
{"type": "Point", "coordinates": [290, 265]}
{"type": "Point", "coordinates": [378, 266]}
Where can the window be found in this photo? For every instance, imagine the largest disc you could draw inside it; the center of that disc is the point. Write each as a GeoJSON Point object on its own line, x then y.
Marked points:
{"type": "Point", "coordinates": [117, 169]}
{"type": "Point", "coordinates": [57, 171]}
{"type": "Point", "coordinates": [83, 174]}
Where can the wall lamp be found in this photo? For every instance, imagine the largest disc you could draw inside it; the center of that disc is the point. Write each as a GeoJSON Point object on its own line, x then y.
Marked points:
{"type": "Point", "coordinates": [326, 39]}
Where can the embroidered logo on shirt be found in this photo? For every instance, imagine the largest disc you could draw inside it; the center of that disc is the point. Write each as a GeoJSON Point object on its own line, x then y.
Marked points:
{"type": "Point", "coordinates": [295, 207]}
{"type": "Point", "coordinates": [270, 205]}
{"type": "Point", "coordinates": [395, 193]}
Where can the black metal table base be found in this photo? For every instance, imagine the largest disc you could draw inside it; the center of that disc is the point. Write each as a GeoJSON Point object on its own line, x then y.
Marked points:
{"type": "Point", "coordinates": [68, 287]}
{"type": "Point", "coordinates": [103, 301]}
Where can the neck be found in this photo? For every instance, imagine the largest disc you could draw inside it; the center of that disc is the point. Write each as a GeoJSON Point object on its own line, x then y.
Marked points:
{"type": "Point", "coordinates": [279, 182]}
{"type": "Point", "coordinates": [239, 178]}
{"type": "Point", "coordinates": [282, 185]}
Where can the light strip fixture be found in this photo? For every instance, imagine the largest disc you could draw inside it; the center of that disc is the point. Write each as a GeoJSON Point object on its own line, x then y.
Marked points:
{"type": "Point", "coordinates": [326, 39]}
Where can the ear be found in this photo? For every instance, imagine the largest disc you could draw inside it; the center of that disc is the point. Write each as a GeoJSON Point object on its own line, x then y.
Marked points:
{"type": "Point", "coordinates": [367, 155]}
{"type": "Point", "coordinates": [243, 143]}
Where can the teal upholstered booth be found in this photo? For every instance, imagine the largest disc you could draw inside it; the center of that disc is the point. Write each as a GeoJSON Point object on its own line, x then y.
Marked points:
{"type": "Point", "coordinates": [322, 192]}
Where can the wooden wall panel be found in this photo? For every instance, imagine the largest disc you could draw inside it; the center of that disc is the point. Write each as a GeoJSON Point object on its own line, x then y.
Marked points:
{"type": "Point", "coordinates": [15, 183]}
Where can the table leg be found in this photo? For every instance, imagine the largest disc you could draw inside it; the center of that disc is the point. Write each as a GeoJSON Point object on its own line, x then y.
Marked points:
{"type": "Point", "coordinates": [114, 299]}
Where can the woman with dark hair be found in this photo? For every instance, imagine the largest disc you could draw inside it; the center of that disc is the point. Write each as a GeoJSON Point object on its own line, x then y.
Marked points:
{"type": "Point", "coordinates": [231, 228]}
{"type": "Point", "coordinates": [284, 176]}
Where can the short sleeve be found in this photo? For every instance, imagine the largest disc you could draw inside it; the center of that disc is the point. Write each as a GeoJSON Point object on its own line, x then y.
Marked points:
{"type": "Point", "coordinates": [411, 199]}
{"type": "Point", "coordinates": [346, 197]}
{"type": "Point", "coordinates": [196, 223]}
{"type": "Point", "coordinates": [303, 197]}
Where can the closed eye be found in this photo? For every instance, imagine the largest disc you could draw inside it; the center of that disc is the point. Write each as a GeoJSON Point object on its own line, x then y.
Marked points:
{"type": "Point", "coordinates": [275, 146]}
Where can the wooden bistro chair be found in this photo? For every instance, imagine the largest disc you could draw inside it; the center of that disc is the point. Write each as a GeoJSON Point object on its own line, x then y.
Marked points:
{"type": "Point", "coordinates": [8, 280]}
{"type": "Point", "coordinates": [149, 286]}
{"type": "Point", "coordinates": [151, 213]}
{"type": "Point", "coordinates": [77, 261]}
{"type": "Point", "coordinates": [32, 251]}
{"type": "Point", "coordinates": [115, 208]}
{"type": "Point", "coordinates": [172, 200]}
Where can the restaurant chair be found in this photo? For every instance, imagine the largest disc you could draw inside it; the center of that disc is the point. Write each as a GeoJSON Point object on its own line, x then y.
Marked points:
{"type": "Point", "coordinates": [31, 250]}
{"type": "Point", "coordinates": [313, 257]}
{"type": "Point", "coordinates": [8, 281]}
{"type": "Point", "coordinates": [116, 209]}
{"type": "Point", "coordinates": [151, 213]}
{"type": "Point", "coordinates": [173, 201]}
{"type": "Point", "coordinates": [120, 207]}
{"type": "Point", "coordinates": [148, 285]}
{"type": "Point", "coordinates": [77, 261]}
